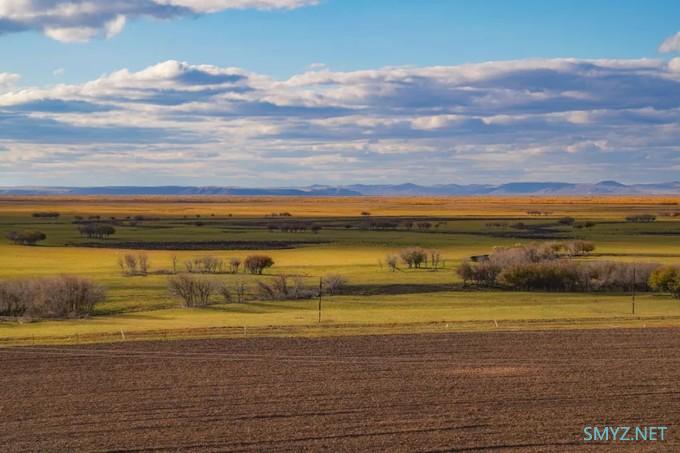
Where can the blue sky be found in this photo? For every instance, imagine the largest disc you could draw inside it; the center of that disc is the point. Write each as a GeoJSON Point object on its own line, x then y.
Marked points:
{"type": "Point", "coordinates": [334, 91]}
{"type": "Point", "coordinates": [358, 34]}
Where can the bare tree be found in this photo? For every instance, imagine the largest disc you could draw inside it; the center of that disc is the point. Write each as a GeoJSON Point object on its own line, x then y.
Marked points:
{"type": "Point", "coordinates": [333, 283]}
{"type": "Point", "coordinates": [240, 289]}
{"type": "Point", "coordinates": [173, 260]}
{"type": "Point", "coordinates": [256, 264]}
{"type": "Point", "coordinates": [134, 264]}
{"type": "Point", "coordinates": [225, 292]}
{"type": "Point", "coordinates": [435, 259]}
{"type": "Point", "coordinates": [194, 291]}
{"type": "Point", "coordinates": [284, 287]}
{"type": "Point", "coordinates": [143, 263]}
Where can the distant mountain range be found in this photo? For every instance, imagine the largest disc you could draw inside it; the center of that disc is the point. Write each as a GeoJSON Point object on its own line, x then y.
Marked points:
{"type": "Point", "coordinates": [514, 188]}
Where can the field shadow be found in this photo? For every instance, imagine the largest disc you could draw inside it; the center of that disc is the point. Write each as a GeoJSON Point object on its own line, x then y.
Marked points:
{"type": "Point", "coordinates": [400, 288]}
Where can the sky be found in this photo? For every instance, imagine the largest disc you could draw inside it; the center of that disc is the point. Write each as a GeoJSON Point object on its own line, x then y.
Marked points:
{"type": "Point", "coordinates": [293, 92]}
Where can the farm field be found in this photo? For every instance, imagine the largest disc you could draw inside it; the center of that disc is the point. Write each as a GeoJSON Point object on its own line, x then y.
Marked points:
{"type": "Point", "coordinates": [519, 391]}
{"type": "Point", "coordinates": [350, 237]}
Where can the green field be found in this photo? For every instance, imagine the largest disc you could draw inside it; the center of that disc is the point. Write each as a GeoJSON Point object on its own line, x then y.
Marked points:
{"type": "Point", "coordinates": [376, 299]}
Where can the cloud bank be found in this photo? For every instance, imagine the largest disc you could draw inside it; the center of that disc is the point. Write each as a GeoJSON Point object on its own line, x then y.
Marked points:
{"type": "Point", "coordinates": [564, 119]}
{"type": "Point", "coordinates": [82, 20]}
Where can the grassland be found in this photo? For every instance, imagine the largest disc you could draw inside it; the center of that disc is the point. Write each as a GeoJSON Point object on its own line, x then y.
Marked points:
{"type": "Point", "coordinates": [376, 298]}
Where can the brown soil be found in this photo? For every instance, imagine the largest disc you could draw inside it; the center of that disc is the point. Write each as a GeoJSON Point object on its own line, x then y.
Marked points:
{"type": "Point", "coordinates": [524, 391]}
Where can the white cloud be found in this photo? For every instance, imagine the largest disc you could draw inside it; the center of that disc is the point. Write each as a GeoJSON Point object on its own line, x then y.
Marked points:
{"type": "Point", "coordinates": [82, 20]}
{"type": "Point", "coordinates": [671, 44]}
{"type": "Point", "coordinates": [211, 6]}
{"type": "Point", "coordinates": [494, 121]}
{"type": "Point", "coordinates": [7, 80]}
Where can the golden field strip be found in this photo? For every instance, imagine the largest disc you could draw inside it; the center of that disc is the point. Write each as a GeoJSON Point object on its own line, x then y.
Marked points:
{"type": "Point", "coordinates": [337, 206]}
{"type": "Point", "coordinates": [376, 300]}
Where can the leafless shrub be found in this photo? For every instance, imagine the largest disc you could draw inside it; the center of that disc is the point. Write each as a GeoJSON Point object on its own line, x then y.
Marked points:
{"type": "Point", "coordinates": [59, 297]}
{"type": "Point", "coordinates": [283, 287]}
{"type": "Point", "coordinates": [232, 291]}
{"type": "Point", "coordinates": [480, 273]}
{"type": "Point", "coordinates": [194, 291]}
{"type": "Point", "coordinates": [234, 265]}
{"type": "Point", "coordinates": [333, 283]}
{"type": "Point", "coordinates": [240, 290]}
{"type": "Point", "coordinates": [143, 263]}
{"type": "Point", "coordinates": [134, 264]}
{"type": "Point", "coordinates": [15, 297]}
{"type": "Point", "coordinates": [577, 248]}
{"type": "Point", "coordinates": [224, 291]}
{"type": "Point", "coordinates": [204, 265]}
{"type": "Point", "coordinates": [392, 262]}
{"type": "Point", "coordinates": [413, 257]}
{"type": "Point", "coordinates": [435, 259]}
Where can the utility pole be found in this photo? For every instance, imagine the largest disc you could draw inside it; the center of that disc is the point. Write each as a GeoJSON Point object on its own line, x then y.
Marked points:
{"type": "Point", "coordinates": [320, 293]}
{"type": "Point", "coordinates": [634, 282]}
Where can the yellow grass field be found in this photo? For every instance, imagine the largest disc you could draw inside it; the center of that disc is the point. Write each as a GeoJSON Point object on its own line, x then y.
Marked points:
{"type": "Point", "coordinates": [377, 299]}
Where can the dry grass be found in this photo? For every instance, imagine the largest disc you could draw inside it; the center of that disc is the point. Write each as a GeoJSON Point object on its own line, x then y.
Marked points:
{"type": "Point", "coordinates": [603, 206]}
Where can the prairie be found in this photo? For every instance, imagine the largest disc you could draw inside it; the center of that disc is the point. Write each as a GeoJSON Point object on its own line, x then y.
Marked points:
{"type": "Point", "coordinates": [354, 237]}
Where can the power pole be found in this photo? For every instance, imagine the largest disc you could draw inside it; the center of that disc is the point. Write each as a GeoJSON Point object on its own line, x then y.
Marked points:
{"type": "Point", "coordinates": [634, 282]}
{"type": "Point", "coordinates": [320, 293]}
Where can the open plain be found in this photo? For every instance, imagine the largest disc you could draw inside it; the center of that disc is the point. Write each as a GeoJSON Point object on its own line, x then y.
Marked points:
{"type": "Point", "coordinates": [309, 238]}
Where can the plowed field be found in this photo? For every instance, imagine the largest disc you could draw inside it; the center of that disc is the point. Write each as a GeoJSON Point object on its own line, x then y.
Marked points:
{"type": "Point", "coordinates": [524, 391]}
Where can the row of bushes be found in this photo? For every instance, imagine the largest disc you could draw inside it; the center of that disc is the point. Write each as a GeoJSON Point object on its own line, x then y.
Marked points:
{"type": "Point", "coordinates": [575, 276]}
{"type": "Point", "coordinates": [486, 269]}
{"type": "Point", "coordinates": [57, 297]}
{"type": "Point", "coordinates": [96, 230]}
{"type": "Point", "coordinates": [253, 264]}
{"type": "Point", "coordinates": [641, 218]}
{"type": "Point", "coordinates": [545, 267]}
{"type": "Point", "coordinates": [131, 264]}
{"type": "Point", "coordinates": [294, 227]}
{"type": "Point", "coordinates": [199, 291]}
{"type": "Point", "coordinates": [46, 215]}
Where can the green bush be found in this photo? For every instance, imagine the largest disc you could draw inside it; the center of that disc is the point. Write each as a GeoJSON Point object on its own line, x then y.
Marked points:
{"type": "Point", "coordinates": [666, 279]}
{"type": "Point", "coordinates": [26, 237]}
